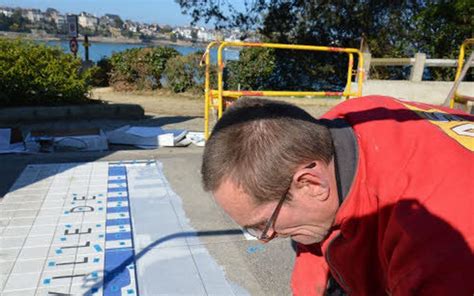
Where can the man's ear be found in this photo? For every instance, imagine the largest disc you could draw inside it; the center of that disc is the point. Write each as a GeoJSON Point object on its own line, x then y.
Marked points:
{"type": "Point", "coordinates": [312, 180]}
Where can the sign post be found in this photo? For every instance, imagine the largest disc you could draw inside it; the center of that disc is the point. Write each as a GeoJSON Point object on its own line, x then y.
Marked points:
{"type": "Point", "coordinates": [86, 47]}
{"type": "Point", "coordinates": [73, 26]}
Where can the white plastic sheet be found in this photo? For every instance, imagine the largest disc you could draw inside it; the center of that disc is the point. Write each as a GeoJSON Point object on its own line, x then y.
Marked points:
{"type": "Point", "coordinates": [147, 137]}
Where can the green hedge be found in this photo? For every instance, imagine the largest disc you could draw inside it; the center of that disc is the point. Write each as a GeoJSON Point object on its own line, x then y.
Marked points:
{"type": "Point", "coordinates": [145, 68]}
{"type": "Point", "coordinates": [139, 68]}
{"type": "Point", "coordinates": [36, 74]}
{"type": "Point", "coordinates": [253, 71]}
{"type": "Point", "coordinates": [101, 73]}
{"type": "Point", "coordinates": [183, 73]}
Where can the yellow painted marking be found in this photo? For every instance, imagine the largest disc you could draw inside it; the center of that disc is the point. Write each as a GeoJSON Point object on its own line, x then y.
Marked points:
{"type": "Point", "coordinates": [459, 129]}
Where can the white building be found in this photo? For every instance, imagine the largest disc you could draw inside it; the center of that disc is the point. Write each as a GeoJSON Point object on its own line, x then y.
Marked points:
{"type": "Point", "coordinates": [147, 31]}
{"type": "Point", "coordinates": [204, 36]}
{"type": "Point", "coordinates": [112, 20]}
{"type": "Point", "coordinates": [154, 27]}
{"type": "Point", "coordinates": [87, 20]}
{"type": "Point", "coordinates": [33, 15]}
{"type": "Point", "coordinates": [184, 32]}
{"type": "Point", "coordinates": [54, 16]}
{"type": "Point", "coordinates": [131, 26]}
{"type": "Point", "coordinates": [6, 11]}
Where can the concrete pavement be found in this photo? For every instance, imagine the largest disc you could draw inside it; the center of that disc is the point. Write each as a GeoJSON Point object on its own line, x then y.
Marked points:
{"type": "Point", "coordinates": [254, 268]}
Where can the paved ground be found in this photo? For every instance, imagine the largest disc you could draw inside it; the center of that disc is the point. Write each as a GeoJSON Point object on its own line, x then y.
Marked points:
{"type": "Point", "coordinates": [261, 270]}
{"type": "Point", "coordinates": [256, 269]}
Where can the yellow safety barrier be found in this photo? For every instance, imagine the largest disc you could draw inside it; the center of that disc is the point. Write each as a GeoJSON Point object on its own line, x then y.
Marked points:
{"type": "Point", "coordinates": [458, 97]}
{"type": "Point", "coordinates": [210, 94]}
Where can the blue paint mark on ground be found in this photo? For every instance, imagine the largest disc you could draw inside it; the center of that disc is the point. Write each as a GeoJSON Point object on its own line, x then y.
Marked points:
{"type": "Point", "coordinates": [117, 199]}
{"type": "Point", "coordinates": [118, 181]}
{"type": "Point", "coordinates": [118, 236]}
{"type": "Point", "coordinates": [117, 171]}
{"type": "Point", "coordinates": [117, 210]}
{"type": "Point", "coordinates": [115, 222]}
{"type": "Point", "coordinates": [119, 189]}
{"type": "Point", "coordinates": [118, 257]}
{"type": "Point", "coordinates": [255, 249]}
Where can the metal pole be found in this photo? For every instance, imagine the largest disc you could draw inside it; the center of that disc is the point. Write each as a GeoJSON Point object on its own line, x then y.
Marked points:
{"type": "Point", "coordinates": [450, 99]}
{"type": "Point", "coordinates": [86, 47]}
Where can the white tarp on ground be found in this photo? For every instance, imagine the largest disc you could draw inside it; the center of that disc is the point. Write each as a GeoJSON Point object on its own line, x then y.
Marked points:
{"type": "Point", "coordinates": [197, 138]}
{"type": "Point", "coordinates": [153, 137]}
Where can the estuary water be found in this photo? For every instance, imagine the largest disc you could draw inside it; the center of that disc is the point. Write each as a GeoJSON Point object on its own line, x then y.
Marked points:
{"type": "Point", "coordinates": [99, 50]}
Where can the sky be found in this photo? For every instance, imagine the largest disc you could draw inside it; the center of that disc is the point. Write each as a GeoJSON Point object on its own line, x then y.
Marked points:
{"type": "Point", "coordinates": [146, 11]}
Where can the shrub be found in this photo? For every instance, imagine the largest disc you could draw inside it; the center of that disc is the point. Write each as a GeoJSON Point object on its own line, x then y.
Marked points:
{"type": "Point", "coordinates": [101, 72]}
{"type": "Point", "coordinates": [184, 73]}
{"type": "Point", "coordinates": [139, 68]}
{"type": "Point", "coordinates": [253, 70]}
{"type": "Point", "coordinates": [35, 74]}
{"type": "Point", "coordinates": [124, 74]}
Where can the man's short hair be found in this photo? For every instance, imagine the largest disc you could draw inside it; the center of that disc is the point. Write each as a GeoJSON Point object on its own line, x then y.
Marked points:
{"type": "Point", "coordinates": [259, 144]}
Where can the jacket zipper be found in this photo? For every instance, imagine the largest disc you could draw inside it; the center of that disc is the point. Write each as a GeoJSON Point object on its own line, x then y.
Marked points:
{"type": "Point", "coordinates": [328, 259]}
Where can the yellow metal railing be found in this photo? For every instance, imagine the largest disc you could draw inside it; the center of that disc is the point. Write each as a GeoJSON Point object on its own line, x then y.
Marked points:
{"type": "Point", "coordinates": [458, 97]}
{"type": "Point", "coordinates": [207, 87]}
{"type": "Point", "coordinates": [214, 98]}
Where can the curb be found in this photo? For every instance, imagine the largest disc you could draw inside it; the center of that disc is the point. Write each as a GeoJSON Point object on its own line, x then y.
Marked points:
{"type": "Point", "coordinates": [112, 111]}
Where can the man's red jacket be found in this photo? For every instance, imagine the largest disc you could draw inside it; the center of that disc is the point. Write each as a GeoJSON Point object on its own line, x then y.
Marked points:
{"type": "Point", "coordinates": [406, 226]}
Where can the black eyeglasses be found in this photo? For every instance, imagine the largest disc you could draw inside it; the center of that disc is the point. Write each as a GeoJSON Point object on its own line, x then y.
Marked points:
{"type": "Point", "coordinates": [263, 234]}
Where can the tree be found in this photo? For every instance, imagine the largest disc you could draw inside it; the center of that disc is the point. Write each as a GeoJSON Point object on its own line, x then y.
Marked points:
{"type": "Point", "coordinates": [4, 22]}
{"type": "Point", "coordinates": [253, 70]}
{"type": "Point", "coordinates": [87, 31]}
{"type": "Point", "coordinates": [145, 38]}
{"type": "Point", "coordinates": [215, 10]}
{"type": "Point", "coordinates": [127, 33]}
{"type": "Point", "coordinates": [48, 25]}
{"type": "Point", "coordinates": [166, 29]}
{"type": "Point", "coordinates": [390, 28]}
{"type": "Point", "coordinates": [16, 22]}
{"type": "Point", "coordinates": [139, 68]}
{"type": "Point", "coordinates": [173, 37]}
{"type": "Point", "coordinates": [118, 22]}
{"type": "Point", "coordinates": [183, 72]}
{"type": "Point", "coordinates": [442, 27]}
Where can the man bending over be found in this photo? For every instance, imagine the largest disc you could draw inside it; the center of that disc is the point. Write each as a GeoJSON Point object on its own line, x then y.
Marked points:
{"type": "Point", "coordinates": [379, 192]}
